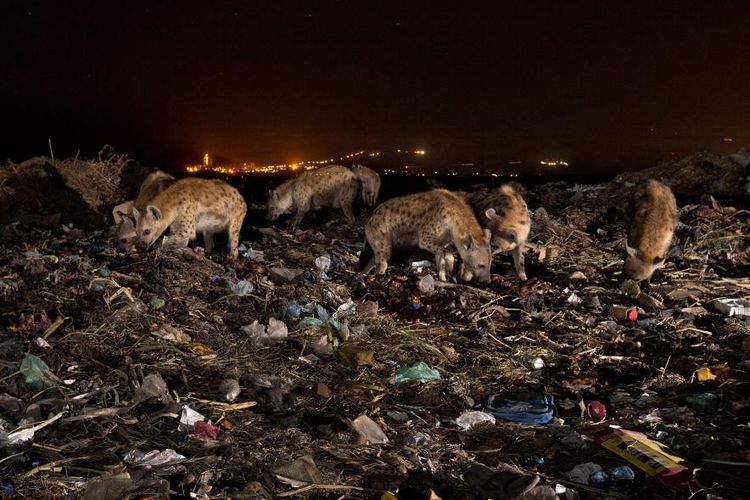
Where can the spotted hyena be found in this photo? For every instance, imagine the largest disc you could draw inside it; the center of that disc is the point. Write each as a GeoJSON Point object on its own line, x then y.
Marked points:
{"type": "Point", "coordinates": [370, 181]}
{"type": "Point", "coordinates": [332, 186]}
{"type": "Point", "coordinates": [503, 211]}
{"type": "Point", "coordinates": [155, 183]}
{"type": "Point", "coordinates": [189, 206]}
{"type": "Point", "coordinates": [435, 221]}
{"type": "Point", "coordinates": [652, 217]}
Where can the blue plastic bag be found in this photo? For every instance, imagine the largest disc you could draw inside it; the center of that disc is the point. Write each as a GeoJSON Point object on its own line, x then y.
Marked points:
{"type": "Point", "coordinates": [531, 411]}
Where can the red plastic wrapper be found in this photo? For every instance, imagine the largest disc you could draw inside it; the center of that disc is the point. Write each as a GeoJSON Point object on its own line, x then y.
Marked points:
{"type": "Point", "coordinates": [622, 313]}
{"type": "Point", "coordinates": [650, 456]}
{"type": "Point", "coordinates": [205, 430]}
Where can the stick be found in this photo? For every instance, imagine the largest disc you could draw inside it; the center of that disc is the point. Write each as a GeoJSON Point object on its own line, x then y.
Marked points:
{"type": "Point", "coordinates": [319, 487]}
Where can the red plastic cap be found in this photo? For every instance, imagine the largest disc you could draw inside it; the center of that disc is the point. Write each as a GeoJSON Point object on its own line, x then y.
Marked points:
{"type": "Point", "coordinates": [632, 314]}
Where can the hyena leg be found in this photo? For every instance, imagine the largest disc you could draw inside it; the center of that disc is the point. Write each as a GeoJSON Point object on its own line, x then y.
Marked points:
{"type": "Point", "coordinates": [450, 262]}
{"type": "Point", "coordinates": [208, 241]}
{"type": "Point", "coordinates": [437, 249]}
{"type": "Point", "coordinates": [181, 235]}
{"type": "Point", "coordinates": [346, 207]}
{"type": "Point", "coordinates": [520, 262]}
{"type": "Point", "coordinates": [302, 209]}
{"type": "Point", "coordinates": [382, 254]}
{"type": "Point", "coordinates": [345, 200]}
{"type": "Point", "coordinates": [235, 225]}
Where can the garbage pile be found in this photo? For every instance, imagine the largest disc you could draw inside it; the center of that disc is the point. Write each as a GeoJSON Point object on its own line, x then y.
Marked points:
{"type": "Point", "coordinates": [48, 191]}
{"type": "Point", "coordinates": [289, 374]}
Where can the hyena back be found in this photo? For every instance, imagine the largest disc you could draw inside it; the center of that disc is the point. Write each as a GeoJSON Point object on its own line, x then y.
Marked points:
{"type": "Point", "coordinates": [370, 181]}
{"type": "Point", "coordinates": [504, 212]}
{"type": "Point", "coordinates": [652, 217]}
{"type": "Point", "coordinates": [434, 221]}
{"type": "Point", "coordinates": [332, 186]}
{"type": "Point", "coordinates": [193, 205]}
{"type": "Point", "coordinates": [155, 183]}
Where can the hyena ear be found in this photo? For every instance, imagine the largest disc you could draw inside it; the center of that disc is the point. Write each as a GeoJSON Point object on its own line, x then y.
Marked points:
{"type": "Point", "coordinates": [468, 241]}
{"type": "Point", "coordinates": [121, 210]}
{"type": "Point", "coordinates": [490, 214]}
{"type": "Point", "coordinates": [631, 251]}
{"type": "Point", "coordinates": [127, 221]}
{"type": "Point", "coordinates": [154, 212]}
{"type": "Point", "coordinates": [119, 217]}
{"type": "Point", "coordinates": [136, 213]}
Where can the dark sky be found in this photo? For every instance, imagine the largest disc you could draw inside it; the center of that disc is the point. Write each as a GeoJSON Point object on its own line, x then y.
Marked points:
{"type": "Point", "coordinates": [604, 83]}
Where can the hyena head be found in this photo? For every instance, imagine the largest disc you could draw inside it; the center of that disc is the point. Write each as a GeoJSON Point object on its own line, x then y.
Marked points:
{"type": "Point", "coordinates": [504, 239]}
{"type": "Point", "coordinates": [126, 235]}
{"type": "Point", "coordinates": [638, 268]}
{"type": "Point", "coordinates": [477, 257]}
{"type": "Point", "coordinates": [149, 225]}
{"type": "Point", "coordinates": [277, 205]}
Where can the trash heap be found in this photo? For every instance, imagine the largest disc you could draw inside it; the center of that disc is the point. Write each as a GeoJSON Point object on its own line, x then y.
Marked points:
{"type": "Point", "coordinates": [49, 191]}
{"type": "Point", "coordinates": [289, 374]}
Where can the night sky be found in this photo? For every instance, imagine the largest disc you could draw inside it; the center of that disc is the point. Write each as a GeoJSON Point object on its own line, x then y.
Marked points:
{"type": "Point", "coordinates": [610, 84]}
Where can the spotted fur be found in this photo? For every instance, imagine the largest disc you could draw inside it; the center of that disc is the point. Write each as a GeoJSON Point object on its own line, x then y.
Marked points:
{"type": "Point", "coordinates": [189, 206]}
{"type": "Point", "coordinates": [504, 212]}
{"type": "Point", "coordinates": [435, 221]}
{"type": "Point", "coordinates": [332, 186]}
{"type": "Point", "coordinates": [155, 183]}
{"type": "Point", "coordinates": [370, 181]}
{"type": "Point", "coordinates": [652, 217]}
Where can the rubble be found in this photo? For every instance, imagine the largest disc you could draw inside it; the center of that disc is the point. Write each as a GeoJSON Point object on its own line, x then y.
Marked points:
{"type": "Point", "coordinates": [148, 374]}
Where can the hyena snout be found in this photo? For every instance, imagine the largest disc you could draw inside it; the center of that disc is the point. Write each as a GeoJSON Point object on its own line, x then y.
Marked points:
{"type": "Point", "coordinates": [126, 245]}
{"type": "Point", "coordinates": [638, 270]}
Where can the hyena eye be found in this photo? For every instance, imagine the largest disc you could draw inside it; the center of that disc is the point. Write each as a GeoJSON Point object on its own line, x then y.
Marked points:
{"type": "Point", "coordinates": [123, 240]}
{"type": "Point", "coordinates": [146, 232]}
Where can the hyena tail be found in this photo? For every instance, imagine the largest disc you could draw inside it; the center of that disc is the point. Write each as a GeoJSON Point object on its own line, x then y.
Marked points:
{"type": "Point", "coordinates": [365, 256]}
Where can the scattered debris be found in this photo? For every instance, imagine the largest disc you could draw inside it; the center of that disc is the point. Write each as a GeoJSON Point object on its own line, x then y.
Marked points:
{"type": "Point", "coordinates": [299, 472]}
{"type": "Point", "coordinates": [732, 307]}
{"type": "Point", "coordinates": [369, 430]}
{"type": "Point", "coordinates": [539, 410]}
{"type": "Point", "coordinates": [222, 374]}
{"type": "Point", "coordinates": [229, 390]}
{"type": "Point", "coordinates": [418, 372]}
{"type": "Point", "coordinates": [470, 418]}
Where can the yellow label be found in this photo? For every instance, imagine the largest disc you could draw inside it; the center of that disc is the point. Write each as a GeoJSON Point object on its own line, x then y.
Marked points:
{"type": "Point", "coordinates": [646, 456]}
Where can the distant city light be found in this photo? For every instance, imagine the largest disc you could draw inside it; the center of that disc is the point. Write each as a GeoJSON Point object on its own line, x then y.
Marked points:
{"type": "Point", "coordinates": [728, 139]}
{"type": "Point", "coordinates": [553, 163]}
{"type": "Point", "coordinates": [459, 169]}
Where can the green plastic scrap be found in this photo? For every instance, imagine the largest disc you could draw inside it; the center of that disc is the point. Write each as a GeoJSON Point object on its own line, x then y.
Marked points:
{"type": "Point", "coordinates": [418, 372]}
{"type": "Point", "coordinates": [36, 373]}
{"type": "Point", "coordinates": [311, 321]}
{"type": "Point", "coordinates": [156, 303]}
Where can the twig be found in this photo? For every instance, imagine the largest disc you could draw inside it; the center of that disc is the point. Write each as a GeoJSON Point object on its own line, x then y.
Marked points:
{"type": "Point", "coordinates": [51, 465]}
{"type": "Point", "coordinates": [321, 487]}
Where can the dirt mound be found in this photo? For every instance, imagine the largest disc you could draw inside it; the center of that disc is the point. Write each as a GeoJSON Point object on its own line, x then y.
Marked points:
{"type": "Point", "coordinates": [47, 192]}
